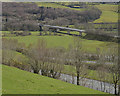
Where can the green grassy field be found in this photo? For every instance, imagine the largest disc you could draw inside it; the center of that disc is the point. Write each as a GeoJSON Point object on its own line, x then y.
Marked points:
{"type": "Point", "coordinates": [55, 5]}
{"type": "Point", "coordinates": [91, 74]}
{"type": "Point", "coordinates": [16, 81]}
{"type": "Point", "coordinates": [19, 57]}
{"type": "Point", "coordinates": [108, 7]}
{"type": "Point", "coordinates": [64, 41]}
{"type": "Point", "coordinates": [109, 13]}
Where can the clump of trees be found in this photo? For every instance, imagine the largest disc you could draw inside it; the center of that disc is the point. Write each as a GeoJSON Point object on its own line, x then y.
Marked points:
{"type": "Point", "coordinates": [47, 61]}
{"type": "Point", "coordinates": [10, 55]}
{"type": "Point", "coordinates": [26, 16]}
{"type": "Point", "coordinates": [44, 60]}
{"type": "Point", "coordinates": [12, 44]}
{"type": "Point", "coordinates": [109, 72]}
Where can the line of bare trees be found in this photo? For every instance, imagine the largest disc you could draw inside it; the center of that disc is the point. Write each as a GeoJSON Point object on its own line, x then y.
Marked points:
{"type": "Point", "coordinates": [45, 60]}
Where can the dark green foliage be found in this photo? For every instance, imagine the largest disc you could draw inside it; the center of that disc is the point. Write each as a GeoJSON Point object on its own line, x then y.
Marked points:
{"type": "Point", "coordinates": [101, 37]}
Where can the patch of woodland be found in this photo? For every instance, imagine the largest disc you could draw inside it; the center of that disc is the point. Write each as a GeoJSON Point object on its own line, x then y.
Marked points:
{"type": "Point", "coordinates": [26, 16]}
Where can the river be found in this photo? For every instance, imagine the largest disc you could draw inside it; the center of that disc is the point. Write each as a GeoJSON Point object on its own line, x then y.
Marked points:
{"type": "Point", "coordinates": [90, 83]}
{"type": "Point", "coordinates": [93, 84]}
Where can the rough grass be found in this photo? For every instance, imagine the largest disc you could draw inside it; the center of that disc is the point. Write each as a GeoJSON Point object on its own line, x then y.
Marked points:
{"type": "Point", "coordinates": [16, 81]}
{"type": "Point", "coordinates": [19, 57]}
{"type": "Point", "coordinates": [109, 13]}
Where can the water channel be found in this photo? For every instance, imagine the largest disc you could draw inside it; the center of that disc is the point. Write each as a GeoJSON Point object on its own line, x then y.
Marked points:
{"type": "Point", "coordinates": [90, 83]}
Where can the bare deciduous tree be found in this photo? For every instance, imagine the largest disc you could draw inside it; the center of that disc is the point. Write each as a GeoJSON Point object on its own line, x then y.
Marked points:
{"type": "Point", "coordinates": [114, 69]}
{"type": "Point", "coordinates": [76, 54]}
{"type": "Point", "coordinates": [37, 55]}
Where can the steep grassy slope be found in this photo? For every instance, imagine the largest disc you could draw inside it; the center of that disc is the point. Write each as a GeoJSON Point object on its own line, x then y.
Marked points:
{"type": "Point", "coordinates": [17, 81]}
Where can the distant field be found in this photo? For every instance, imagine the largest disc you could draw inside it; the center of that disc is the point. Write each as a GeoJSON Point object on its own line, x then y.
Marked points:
{"type": "Point", "coordinates": [107, 16]}
{"type": "Point", "coordinates": [47, 4]}
{"type": "Point", "coordinates": [55, 5]}
{"type": "Point", "coordinates": [108, 7]}
{"type": "Point", "coordinates": [109, 13]}
{"type": "Point", "coordinates": [65, 41]}
{"type": "Point", "coordinates": [16, 81]}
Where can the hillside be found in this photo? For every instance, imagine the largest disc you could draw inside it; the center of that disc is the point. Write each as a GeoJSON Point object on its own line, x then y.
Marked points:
{"type": "Point", "coordinates": [109, 13]}
{"type": "Point", "coordinates": [16, 81]}
{"type": "Point", "coordinates": [29, 46]}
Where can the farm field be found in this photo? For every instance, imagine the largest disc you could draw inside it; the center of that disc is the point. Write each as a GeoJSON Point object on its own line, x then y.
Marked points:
{"type": "Point", "coordinates": [17, 81]}
{"type": "Point", "coordinates": [55, 5]}
{"type": "Point", "coordinates": [109, 13]}
{"type": "Point", "coordinates": [57, 41]}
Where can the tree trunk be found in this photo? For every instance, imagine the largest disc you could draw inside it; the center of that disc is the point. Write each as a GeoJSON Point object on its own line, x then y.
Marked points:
{"type": "Point", "coordinates": [115, 89]}
{"type": "Point", "coordinates": [40, 33]}
{"type": "Point", "coordinates": [41, 28]}
{"type": "Point", "coordinates": [104, 86]}
{"type": "Point", "coordinates": [78, 77]}
{"type": "Point", "coordinates": [72, 79]}
{"type": "Point", "coordinates": [109, 88]}
{"type": "Point", "coordinates": [92, 83]}
{"type": "Point", "coordinates": [101, 85]}
{"type": "Point", "coordinates": [36, 71]}
{"type": "Point", "coordinates": [54, 75]}
{"type": "Point", "coordinates": [42, 72]}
